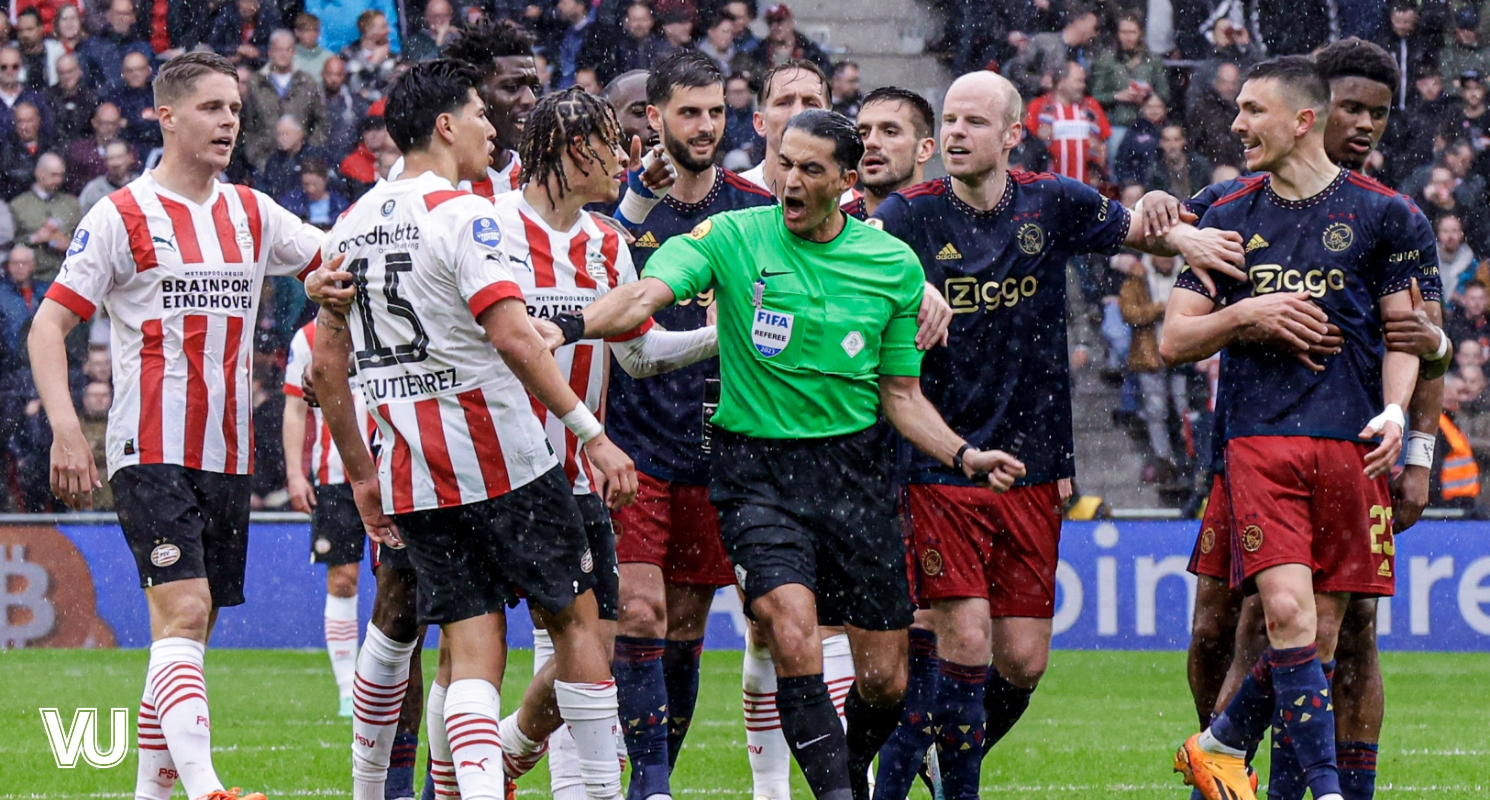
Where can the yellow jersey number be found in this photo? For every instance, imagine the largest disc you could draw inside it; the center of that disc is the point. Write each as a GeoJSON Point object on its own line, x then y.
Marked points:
{"type": "Point", "coordinates": [1381, 531]}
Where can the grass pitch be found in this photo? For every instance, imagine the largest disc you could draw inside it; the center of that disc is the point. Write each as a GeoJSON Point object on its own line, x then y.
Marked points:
{"type": "Point", "coordinates": [1102, 725]}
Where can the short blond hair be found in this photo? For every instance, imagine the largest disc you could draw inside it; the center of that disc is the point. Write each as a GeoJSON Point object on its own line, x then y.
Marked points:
{"type": "Point", "coordinates": [180, 75]}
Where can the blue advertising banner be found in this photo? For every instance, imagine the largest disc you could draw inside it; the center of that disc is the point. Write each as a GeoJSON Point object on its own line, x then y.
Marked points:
{"type": "Point", "coordinates": [1121, 585]}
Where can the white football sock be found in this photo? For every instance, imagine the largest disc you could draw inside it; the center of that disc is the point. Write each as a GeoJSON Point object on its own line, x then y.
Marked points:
{"type": "Point", "coordinates": [180, 691]}
{"type": "Point", "coordinates": [378, 698]}
{"type": "Point", "coordinates": [472, 706]}
{"type": "Point", "coordinates": [341, 640]}
{"type": "Point", "coordinates": [441, 767]}
{"type": "Point", "coordinates": [565, 782]}
{"type": "Point", "coordinates": [589, 711]}
{"type": "Point", "coordinates": [770, 760]}
{"type": "Point", "coordinates": [1211, 744]}
{"type": "Point", "coordinates": [543, 648]}
{"type": "Point", "coordinates": [519, 753]}
{"type": "Point", "coordinates": [838, 671]}
{"type": "Point", "coordinates": [156, 776]}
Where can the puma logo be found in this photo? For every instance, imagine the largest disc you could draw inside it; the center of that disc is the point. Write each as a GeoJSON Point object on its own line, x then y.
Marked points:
{"type": "Point", "coordinates": [481, 765]}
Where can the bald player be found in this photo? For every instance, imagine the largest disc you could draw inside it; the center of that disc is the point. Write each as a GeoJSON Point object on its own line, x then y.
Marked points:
{"type": "Point", "coordinates": [996, 243]}
{"type": "Point", "coordinates": [898, 128]}
{"type": "Point", "coordinates": [627, 94]}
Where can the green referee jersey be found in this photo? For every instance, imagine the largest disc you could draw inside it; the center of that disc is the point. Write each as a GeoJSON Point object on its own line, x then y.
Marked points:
{"type": "Point", "coordinates": [802, 359]}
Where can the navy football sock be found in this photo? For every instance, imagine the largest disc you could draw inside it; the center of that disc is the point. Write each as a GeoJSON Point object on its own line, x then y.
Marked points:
{"type": "Point", "coordinates": [1357, 761]}
{"type": "Point", "coordinates": [960, 716]}
{"type": "Point", "coordinates": [1246, 717]}
{"type": "Point", "coordinates": [641, 694]}
{"type": "Point", "coordinates": [680, 674]}
{"type": "Point", "coordinates": [429, 784]}
{"type": "Point", "coordinates": [814, 734]}
{"type": "Point", "coordinates": [904, 752]}
{"type": "Point", "coordinates": [1285, 776]}
{"type": "Point", "coordinates": [1004, 703]}
{"type": "Point", "coordinates": [400, 781]}
{"type": "Point", "coordinates": [1303, 698]}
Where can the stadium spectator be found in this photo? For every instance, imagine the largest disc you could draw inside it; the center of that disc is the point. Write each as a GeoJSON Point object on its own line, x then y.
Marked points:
{"type": "Point", "coordinates": [136, 103]}
{"type": "Point", "coordinates": [1232, 41]}
{"type": "Point", "coordinates": [344, 110]}
{"type": "Point", "coordinates": [98, 396]}
{"type": "Point", "coordinates": [1209, 120]}
{"type": "Point", "coordinates": [12, 91]}
{"type": "Point", "coordinates": [1457, 262]}
{"type": "Point", "coordinates": [1412, 47]}
{"type": "Point", "coordinates": [638, 45]}
{"type": "Point", "coordinates": [1464, 52]}
{"type": "Point", "coordinates": [39, 54]}
{"type": "Point", "coordinates": [566, 38]}
{"type": "Point", "coordinates": [719, 45]}
{"type": "Point", "coordinates": [20, 293]}
{"type": "Point", "coordinates": [371, 61]}
{"type": "Point", "coordinates": [121, 167]}
{"type": "Point", "coordinates": [785, 43]}
{"type": "Point", "coordinates": [242, 29]}
{"type": "Point", "coordinates": [360, 168]}
{"type": "Point", "coordinates": [46, 216]}
{"type": "Point", "coordinates": [1165, 391]}
{"type": "Point", "coordinates": [342, 21]}
{"type": "Point", "coordinates": [281, 171]}
{"type": "Point", "coordinates": [741, 145]}
{"type": "Point", "coordinates": [1033, 70]}
{"type": "Point", "coordinates": [313, 200]}
{"type": "Point", "coordinates": [428, 42]}
{"type": "Point", "coordinates": [1177, 171]}
{"type": "Point", "coordinates": [310, 56]}
{"type": "Point", "coordinates": [677, 31]}
{"type": "Point", "coordinates": [71, 102]}
{"type": "Point", "coordinates": [278, 91]}
{"type": "Point", "coordinates": [1072, 125]}
{"type": "Point", "coordinates": [744, 13]}
{"type": "Point", "coordinates": [85, 157]}
{"type": "Point", "coordinates": [1125, 77]}
{"type": "Point", "coordinates": [67, 27]}
{"type": "Point", "coordinates": [97, 366]}
{"type": "Point", "coordinates": [102, 54]}
{"type": "Point", "coordinates": [845, 88]}
{"type": "Point", "coordinates": [1140, 148]}
{"type": "Point", "coordinates": [19, 151]}
{"type": "Point", "coordinates": [1470, 121]}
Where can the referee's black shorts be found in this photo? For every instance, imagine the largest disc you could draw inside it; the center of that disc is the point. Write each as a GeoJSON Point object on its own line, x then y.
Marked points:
{"type": "Point", "coordinates": [818, 512]}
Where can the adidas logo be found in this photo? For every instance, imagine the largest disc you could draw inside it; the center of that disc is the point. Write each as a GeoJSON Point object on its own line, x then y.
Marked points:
{"type": "Point", "coordinates": [1385, 570]}
{"type": "Point", "coordinates": [1256, 242]}
{"type": "Point", "coordinates": [647, 240]}
{"type": "Point", "coordinates": [948, 253]}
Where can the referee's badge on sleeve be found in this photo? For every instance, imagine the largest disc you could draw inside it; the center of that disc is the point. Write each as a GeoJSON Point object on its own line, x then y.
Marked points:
{"type": "Point", "coordinates": [771, 332]}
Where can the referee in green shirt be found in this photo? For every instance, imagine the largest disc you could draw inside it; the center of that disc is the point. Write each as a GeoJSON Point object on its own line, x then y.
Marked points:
{"type": "Point", "coordinates": [817, 330]}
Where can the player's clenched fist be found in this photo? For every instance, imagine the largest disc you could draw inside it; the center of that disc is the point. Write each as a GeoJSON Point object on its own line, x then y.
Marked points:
{"type": "Point", "coordinates": [995, 468]}
{"type": "Point", "coordinates": [619, 471]}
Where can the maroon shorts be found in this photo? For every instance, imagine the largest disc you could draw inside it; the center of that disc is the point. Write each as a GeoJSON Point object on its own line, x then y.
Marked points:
{"type": "Point", "coordinates": [971, 542]}
{"type": "Point", "coordinates": [674, 526]}
{"type": "Point", "coordinates": [1299, 500]}
{"type": "Point", "coordinates": [1212, 554]}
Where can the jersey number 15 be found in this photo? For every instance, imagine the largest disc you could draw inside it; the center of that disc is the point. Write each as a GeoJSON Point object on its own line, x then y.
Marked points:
{"type": "Point", "coordinates": [377, 353]}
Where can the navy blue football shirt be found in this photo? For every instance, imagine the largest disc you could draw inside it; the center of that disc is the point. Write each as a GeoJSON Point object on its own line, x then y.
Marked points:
{"type": "Point", "coordinates": [660, 421]}
{"type": "Point", "coordinates": [1004, 376]}
{"type": "Point", "coordinates": [1348, 246]}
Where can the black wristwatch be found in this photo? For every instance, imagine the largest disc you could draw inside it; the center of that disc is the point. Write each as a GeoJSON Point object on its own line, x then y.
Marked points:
{"type": "Point", "coordinates": [957, 459]}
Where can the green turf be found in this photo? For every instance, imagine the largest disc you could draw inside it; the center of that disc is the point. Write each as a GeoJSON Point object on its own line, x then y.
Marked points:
{"type": "Point", "coordinates": [1103, 724]}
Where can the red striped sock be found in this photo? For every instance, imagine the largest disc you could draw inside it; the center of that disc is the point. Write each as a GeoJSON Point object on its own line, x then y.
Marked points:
{"type": "Point", "coordinates": [341, 640]}
{"type": "Point", "coordinates": [377, 698]}
{"type": "Point", "coordinates": [441, 765]}
{"type": "Point", "coordinates": [180, 692]}
{"type": "Point", "coordinates": [156, 776]}
{"type": "Point", "coordinates": [472, 707]}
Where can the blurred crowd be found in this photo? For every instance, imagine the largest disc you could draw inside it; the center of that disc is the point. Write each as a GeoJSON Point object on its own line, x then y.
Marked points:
{"type": "Point", "coordinates": [1127, 95]}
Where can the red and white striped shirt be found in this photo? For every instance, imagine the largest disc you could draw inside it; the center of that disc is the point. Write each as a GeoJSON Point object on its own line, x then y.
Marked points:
{"type": "Point", "coordinates": [325, 462]}
{"type": "Point", "coordinates": [455, 421]}
{"type": "Point", "coordinates": [181, 283]}
{"type": "Point", "coordinates": [494, 185]}
{"type": "Point", "coordinates": [566, 271]}
{"type": "Point", "coordinates": [1074, 128]}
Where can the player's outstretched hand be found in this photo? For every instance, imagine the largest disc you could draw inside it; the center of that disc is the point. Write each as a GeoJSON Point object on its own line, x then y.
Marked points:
{"type": "Point", "coordinates": [1388, 425]}
{"type": "Point", "coordinates": [329, 287]}
{"type": "Point", "coordinates": [1410, 331]}
{"type": "Point", "coordinates": [302, 497]}
{"type": "Point", "coordinates": [74, 475]}
{"type": "Point", "coordinates": [1212, 250]}
{"type": "Point", "coordinates": [1163, 212]}
{"type": "Point", "coordinates": [620, 472]}
{"type": "Point", "coordinates": [932, 320]}
{"type": "Point", "coordinates": [994, 468]}
{"type": "Point", "coordinates": [379, 527]}
{"type": "Point", "coordinates": [657, 172]}
{"type": "Point", "coordinates": [1409, 497]}
{"type": "Point", "coordinates": [553, 335]}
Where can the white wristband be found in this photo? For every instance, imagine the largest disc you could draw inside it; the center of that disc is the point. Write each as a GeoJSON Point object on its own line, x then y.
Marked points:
{"type": "Point", "coordinates": [582, 423]}
{"type": "Point", "coordinates": [1443, 347]}
{"type": "Point", "coordinates": [1392, 413]}
{"type": "Point", "coordinates": [1418, 449]}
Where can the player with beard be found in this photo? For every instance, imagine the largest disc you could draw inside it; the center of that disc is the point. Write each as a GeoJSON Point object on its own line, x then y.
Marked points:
{"type": "Point", "coordinates": [1227, 634]}
{"type": "Point", "coordinates": [671, 557]}
{"type": "Point", "coordinates": [997, 242]}
{"type": "Point", "coordinates": [898, 127]}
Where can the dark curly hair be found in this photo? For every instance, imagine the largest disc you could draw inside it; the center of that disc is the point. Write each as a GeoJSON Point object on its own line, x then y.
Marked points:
{"type": "Point", "coordinates": [554, 124]}
{"type": "Point", "coordinates": [1357, 58]}
{"type": "Point", "coordinates": [480, 45]}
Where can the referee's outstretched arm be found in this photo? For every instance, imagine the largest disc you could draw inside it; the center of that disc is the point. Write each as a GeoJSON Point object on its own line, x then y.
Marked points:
{"type": "Point", "coordinates": [918, 421]}
{"type": "Point", "coordinates": [622, 309]}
